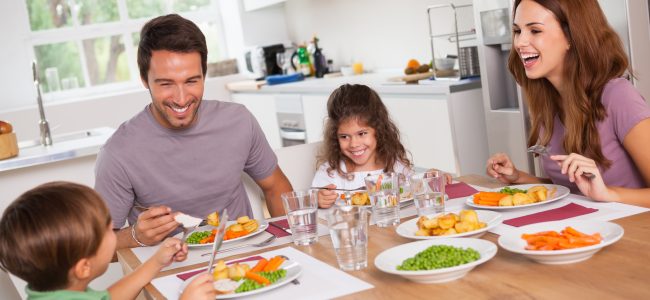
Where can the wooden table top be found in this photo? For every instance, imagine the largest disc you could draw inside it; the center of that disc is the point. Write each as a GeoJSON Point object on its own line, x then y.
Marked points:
{"type": "Point", "coordinates": [619, 271]}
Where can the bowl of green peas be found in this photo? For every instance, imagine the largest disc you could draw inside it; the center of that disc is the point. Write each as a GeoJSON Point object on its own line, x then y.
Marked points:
{"type": "Point", "coordinates": [435, 261]}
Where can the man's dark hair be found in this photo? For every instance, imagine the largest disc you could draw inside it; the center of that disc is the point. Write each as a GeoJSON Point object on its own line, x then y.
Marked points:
{"type": "Point", "coordinates": [173, 33]}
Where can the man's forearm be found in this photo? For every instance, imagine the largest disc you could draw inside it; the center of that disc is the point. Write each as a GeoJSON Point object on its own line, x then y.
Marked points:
{"type": "Point", "coordinates": [274, 204]}
{"type": "Point", "coordinates": [124, 239]}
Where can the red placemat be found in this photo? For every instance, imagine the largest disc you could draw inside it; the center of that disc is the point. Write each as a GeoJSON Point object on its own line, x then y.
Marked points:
{"type": "Point", "coordinates": [458, 190]}
{"type": "Point", "coordinates": [568, 211]}
{"type": "Point", "coordinates": [188, 275]}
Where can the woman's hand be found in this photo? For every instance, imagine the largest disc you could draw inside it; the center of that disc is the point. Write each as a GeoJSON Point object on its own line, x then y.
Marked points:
{"type": "Point", "coordinates": [575, 166]}
{"type": "Point", "coordinates": [171, 249]}
{"type": "Point", "coordinates": [201, 287]}
{"type": "Point", "coordinates": [501, 167]}
{"type": "Point", "coordinates": [326, 198]}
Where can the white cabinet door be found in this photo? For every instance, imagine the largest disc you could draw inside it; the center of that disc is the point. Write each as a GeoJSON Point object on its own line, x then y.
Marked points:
{"type": "Point", "coordinates": [425, 129]}
{"type": "Point", "coordinates": [262, 106]}
{"type": "Point", "coordinates": [314, 108]}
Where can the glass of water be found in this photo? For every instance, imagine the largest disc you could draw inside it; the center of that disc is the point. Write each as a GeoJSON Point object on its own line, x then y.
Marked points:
{"type": "Point", "coordinates": [383, 190]}
{"type": "Point", "coordinates": [428, 191]}
{"type": "Point", "coordinates": [349, 231]}
{"type": "Point", "coordinates": [301, 208]}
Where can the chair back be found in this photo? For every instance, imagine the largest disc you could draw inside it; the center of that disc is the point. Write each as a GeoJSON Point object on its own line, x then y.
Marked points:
{"type": "Point", "coordinates": [7, 288]}
{"type": "Point", "coordinates": [298, 163]}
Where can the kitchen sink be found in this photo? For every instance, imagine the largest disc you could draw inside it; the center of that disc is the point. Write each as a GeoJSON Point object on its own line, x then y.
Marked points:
{"type": "Point", "coordinates": [64, 147]}
{"type": "Point", "coordinates": [67, 137]}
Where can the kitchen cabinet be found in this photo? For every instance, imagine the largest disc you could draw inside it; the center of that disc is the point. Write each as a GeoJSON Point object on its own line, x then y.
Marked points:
{"type": "Point", "coordinates": [442, 124]}
{"type": "Point", "coordinates": [314, 109]}
{"type": "Point", "coordinates": [262, 106]}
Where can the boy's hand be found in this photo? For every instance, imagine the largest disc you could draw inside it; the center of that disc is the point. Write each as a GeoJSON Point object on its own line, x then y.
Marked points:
{"type": "Point", "coordinates": [171, 249]}
{"type": "Point", "coordinates": [326, 198]}
{"type": "Point", "coordinates": [201, 287]}
{"type": "Point", "coordinates": [155, 224]}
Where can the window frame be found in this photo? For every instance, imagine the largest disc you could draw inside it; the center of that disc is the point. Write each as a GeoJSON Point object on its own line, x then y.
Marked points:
{"type": "Point", "coordinates": [125, 27]}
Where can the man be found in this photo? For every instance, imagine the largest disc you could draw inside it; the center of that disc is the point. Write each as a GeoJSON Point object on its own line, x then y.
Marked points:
{"type": "Point", "coordinates": [181, 153]}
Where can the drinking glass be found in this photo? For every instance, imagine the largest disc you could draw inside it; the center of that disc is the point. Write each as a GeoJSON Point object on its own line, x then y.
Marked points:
{"type": "Point", "coordinates": [349, 232]}
{"type": "Point", "coordinates": [383, 190]}
{"type": "Point", "coordinates": [281, 61]}
{"type": "Point", "coordinates": [52, 79]}
{"type": "Point", "coordinates": [428, 191]}
{"type": "Point", "coordinates": [301, 208]}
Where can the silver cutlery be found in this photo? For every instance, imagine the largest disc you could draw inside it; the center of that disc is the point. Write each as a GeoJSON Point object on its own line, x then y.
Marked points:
{"type": "Point", "coordinates": [260, 244]}
{"type": "Point", "coordinates": [219, 239]}
{"type": "Point", "coordinates": [341, 190]}
{"type": "Point", "coordinates": [544, 151]}
{"type": "Point", "coordinates": [295, 281]}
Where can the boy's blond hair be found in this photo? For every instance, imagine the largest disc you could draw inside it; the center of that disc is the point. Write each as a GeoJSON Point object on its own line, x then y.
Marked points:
{"type": "Point", "coordinates": [48, 229]}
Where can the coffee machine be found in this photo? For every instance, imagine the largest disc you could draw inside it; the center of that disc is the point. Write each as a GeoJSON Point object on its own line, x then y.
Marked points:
{"type": "Point", "coordinates": [261, 61]}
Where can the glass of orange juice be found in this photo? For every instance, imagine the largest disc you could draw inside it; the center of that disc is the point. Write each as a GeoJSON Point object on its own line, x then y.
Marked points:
{"type": "Point", "coordinates": [357, 68]}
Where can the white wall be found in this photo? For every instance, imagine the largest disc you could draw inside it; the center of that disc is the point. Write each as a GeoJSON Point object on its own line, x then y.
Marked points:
{"type": "Point", "coordinates": [379, 33]}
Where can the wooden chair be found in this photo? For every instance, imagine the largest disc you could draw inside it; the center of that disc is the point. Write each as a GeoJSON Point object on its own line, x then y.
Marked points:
{"type": "Point", "coordinates": [299, 165]}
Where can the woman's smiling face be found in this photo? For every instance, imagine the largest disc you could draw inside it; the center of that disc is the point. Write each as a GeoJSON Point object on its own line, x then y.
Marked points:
{"type": "Point", "coordinates": [540, 42]}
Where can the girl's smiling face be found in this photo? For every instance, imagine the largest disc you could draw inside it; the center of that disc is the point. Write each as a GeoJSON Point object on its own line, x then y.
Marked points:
{"type": "Point", "coordinates": [540, 42]}
{"type": "Point", "coordinates": [358, 142]}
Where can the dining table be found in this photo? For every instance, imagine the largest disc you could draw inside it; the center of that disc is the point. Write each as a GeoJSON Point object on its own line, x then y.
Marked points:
{"type": "Point", "coordinates": [618, 271]}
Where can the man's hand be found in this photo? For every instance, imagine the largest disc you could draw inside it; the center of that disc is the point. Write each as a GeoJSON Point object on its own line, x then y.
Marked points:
{"type": "Point", "coordinates": [154, 225]}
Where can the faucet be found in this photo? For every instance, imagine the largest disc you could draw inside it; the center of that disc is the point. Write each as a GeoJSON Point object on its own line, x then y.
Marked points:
{"type": "Point", "coordinates": [46, 137]}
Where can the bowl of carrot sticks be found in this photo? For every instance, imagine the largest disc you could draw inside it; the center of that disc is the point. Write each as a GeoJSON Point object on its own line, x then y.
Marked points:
{"type": "Point", "coordinates": [561, 242]}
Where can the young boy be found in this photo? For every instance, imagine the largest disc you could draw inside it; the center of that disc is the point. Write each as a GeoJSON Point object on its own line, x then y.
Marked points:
{"type": "Point", "coordinates": [58, 237]}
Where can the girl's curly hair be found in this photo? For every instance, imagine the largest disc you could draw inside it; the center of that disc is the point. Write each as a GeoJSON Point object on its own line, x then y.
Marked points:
{"type": "Point", "coordinates": [362, 103]}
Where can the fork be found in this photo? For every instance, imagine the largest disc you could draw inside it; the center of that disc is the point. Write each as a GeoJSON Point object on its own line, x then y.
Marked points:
{"type": "Point", "coordinates": [544, 151]}
{"type": "Point", "coordinates": [260, 244]}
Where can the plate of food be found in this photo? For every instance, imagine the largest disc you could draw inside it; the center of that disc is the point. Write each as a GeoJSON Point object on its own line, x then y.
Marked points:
{"type": "Point", "coordinates": [561, 242]}
{"type": "Point", "coordinates": [435, 261]}
{"type": "Point", "coordinates": [242, 228]}
{"type": "Point", "coordinates": [249, 278]}
{"type": "Point", "coordinates": [517, 196]}
{"type": "Point", "coordinates": [361, 198]}
{"type": "Point", "coordinates": [464, 223]}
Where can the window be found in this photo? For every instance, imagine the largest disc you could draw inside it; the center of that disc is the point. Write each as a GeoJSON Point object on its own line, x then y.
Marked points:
{"type": "Point", "coordinates": [87, 47]}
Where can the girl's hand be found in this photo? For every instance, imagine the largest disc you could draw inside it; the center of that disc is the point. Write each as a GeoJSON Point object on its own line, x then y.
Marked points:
{"type": "Point", "coordinates": [575, 165]}
{"type": "Point", "coordinates": [448, 179]}
{"type": "Point", "coordinates": [201, 287]}
{"type": "Point", "coordinates": [501, 167]}
{"type": "Point", "coordinates": [171, 249]}
{"type": "Point", "coordinates": [326, 198]}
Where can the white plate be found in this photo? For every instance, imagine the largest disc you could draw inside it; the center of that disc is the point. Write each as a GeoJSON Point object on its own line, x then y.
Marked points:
{"type": "Point", "coordinates": [293, 271]}
{"type": "Point", "coordinates": [388, 260]}
{"type": "Point", "coordinates": [491, 218]}
{"type": "Point", "coordinates": [560, 193]}
{"type": "Point", "coordinates": [513, 242]}
{"type": "Point", "coordinates": [260, 229]}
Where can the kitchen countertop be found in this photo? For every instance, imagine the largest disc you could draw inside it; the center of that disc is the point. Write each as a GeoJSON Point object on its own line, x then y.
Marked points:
{"type": "Point", "coordinates": [64, 147]}
{"type": "Point", "coordinates": [380, 82]}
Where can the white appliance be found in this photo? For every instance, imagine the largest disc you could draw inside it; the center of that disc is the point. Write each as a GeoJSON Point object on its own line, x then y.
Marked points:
{"type": "Point", "coordinates": [506, 113]}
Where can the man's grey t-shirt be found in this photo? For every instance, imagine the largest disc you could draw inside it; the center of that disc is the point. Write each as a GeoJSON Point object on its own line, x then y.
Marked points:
{"type": "Point", "coordinates": [195, 170]}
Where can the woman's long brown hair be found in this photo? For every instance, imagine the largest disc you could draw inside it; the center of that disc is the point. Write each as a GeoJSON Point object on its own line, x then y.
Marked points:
{"type": "Point", "coordinates": [360, 102]}
{"type": "Point", "coordinates": [595, 57]}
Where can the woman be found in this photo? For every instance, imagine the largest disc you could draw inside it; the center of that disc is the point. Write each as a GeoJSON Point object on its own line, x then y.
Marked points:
{"type": "Point", "coordinates": [569, 62]}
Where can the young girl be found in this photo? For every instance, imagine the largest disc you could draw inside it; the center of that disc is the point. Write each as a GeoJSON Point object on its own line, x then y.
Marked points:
{"type": "Point", "coordinates": [570, 64]}
{"type": "Point", "coordinates": [58, 237]}
{"type": "Point", "coordinates": [360, 140]}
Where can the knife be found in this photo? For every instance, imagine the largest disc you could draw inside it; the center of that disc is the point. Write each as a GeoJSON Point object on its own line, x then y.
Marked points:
{"type": "Point", "coordinates": [221, 230]}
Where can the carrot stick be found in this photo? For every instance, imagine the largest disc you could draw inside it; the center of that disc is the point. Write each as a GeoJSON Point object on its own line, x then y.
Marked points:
{"type": "Point", "coordinates": [260, 265]}
{"type": "Point", "coordinates": [274, 264]}
{"type": "Point", "coordinates": [257, 277]}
